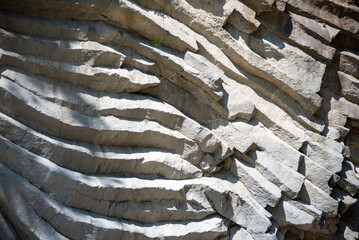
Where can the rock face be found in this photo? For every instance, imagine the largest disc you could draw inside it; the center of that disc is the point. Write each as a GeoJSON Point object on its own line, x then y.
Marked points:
{"type": "Point", "coordinates": [179, 119]}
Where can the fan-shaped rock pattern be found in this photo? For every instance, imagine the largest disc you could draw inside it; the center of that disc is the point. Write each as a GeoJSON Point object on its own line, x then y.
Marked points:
{"type": "Point", "coordinates": [179, 119]}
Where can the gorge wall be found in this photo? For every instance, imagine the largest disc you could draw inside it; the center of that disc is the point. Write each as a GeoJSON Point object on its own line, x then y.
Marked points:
{"type": "Point", "coordinates": [179, 119]}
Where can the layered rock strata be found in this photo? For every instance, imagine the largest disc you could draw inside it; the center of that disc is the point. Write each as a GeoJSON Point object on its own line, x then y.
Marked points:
{"type": "Point", "coordinates": [179, 119]}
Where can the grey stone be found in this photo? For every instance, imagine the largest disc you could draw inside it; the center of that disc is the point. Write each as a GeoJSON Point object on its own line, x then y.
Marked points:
{"type": "Point", "coordinates": [319, 199]}
{"type": "Point", "coordinates": [289, 181]}
{"type": "Point", "coordinates": [244, 20]}
{"type": "Point", "coordinates": [239, 234]}
{"type": "Point", "coordinates": [344, 199]}
{"type": "Point", "coordinates": [349, 180]}
{"type": "Point", "coordinates": [265, 192]}
{"type": "Point", "coordinates": [350, 86]}
{"type": "Point", "coordinates": [287, 214]}
{"type": "Point", "coordinates": [348, 63]}
{"type": "Point", "coordinates": [302, 31]}
{"type": "Point", "coordinates": [179, 119]}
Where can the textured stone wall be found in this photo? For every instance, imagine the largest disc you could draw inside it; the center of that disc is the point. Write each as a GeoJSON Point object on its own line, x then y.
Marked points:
{"type": "Point", "coordinates": [179, 119]}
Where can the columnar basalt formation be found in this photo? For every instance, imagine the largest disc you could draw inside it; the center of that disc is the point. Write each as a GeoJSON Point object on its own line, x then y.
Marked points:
{"type": "Point", "coordinates": [179, 119]}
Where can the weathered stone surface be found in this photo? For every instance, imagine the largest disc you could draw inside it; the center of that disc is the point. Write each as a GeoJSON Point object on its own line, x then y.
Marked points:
{"type": "Point", "coordinates": [287, 214]}
{"type": "Point", "coordinates": [264, 191]}
{"type": "Point", "coordinates": [70, 221]}
{"type": "Point", "coordinates": [316, 173]}
{"type": "Point", "coordinates": [260, 5]}
{"type": "Point", "coordinates": [324, 156]}
{"type": "Point", "coordinates": [243, 19]}
{"type": "Point", "coordinates": [6, 231]}
{"type": "Point", "coordinates": [349, 178]}
{"type": "Point", "coordinates": [179, 119]}
{"type": "Point", "coordinates": [301, 30]}
{"type": "Point", "coordinates": [350, 86]}
{"type": "Point", "coordinates": [289, 181]}
{"type": "Point", "coordinates": [319, 199]}
{"type": "Point", "coordinates": [97, 78]}
{"type": "Point", "coordinates": [349, 62]}
{"type": "Point", "coordinates": [240, 233]}
{"type": "Point", "coordinates": [329, 13]}
{"type": "Point", "coordinates": [344, 199]}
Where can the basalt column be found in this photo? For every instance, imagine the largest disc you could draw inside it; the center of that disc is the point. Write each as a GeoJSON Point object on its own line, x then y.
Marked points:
{"type": "Point", "coordinates": [179, 119]}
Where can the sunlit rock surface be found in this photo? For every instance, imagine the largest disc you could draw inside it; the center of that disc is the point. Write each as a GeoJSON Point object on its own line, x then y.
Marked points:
{"type": "Point", "coordinates": [179, 119]}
